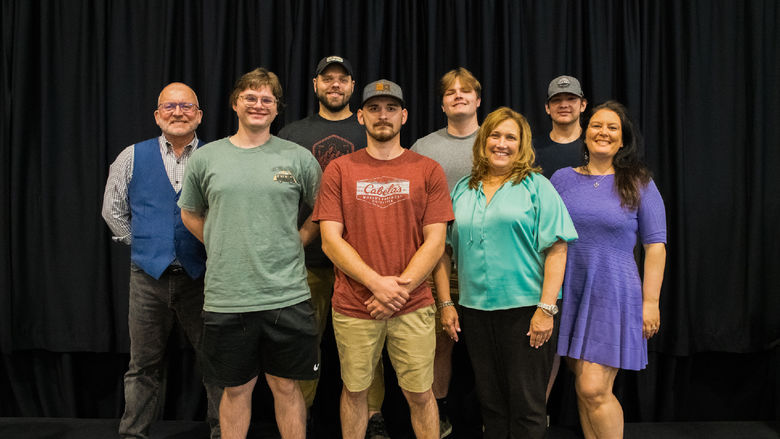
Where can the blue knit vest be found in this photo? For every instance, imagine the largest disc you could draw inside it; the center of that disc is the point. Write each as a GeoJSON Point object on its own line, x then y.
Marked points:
{"type": "Point", "coordinates": [159, 236]}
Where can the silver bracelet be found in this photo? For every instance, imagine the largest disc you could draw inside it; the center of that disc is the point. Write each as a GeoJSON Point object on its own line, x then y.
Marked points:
{"type": "Point", "coordinates": [445, 304]}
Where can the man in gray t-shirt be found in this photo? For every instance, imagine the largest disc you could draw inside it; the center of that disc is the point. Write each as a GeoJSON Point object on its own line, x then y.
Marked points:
{"type": "Point", "coordinates": [452, 147]}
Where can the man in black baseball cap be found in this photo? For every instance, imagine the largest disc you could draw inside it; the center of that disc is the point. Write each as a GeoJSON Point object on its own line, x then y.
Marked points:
{"type": "Point", "coordinates": [563, 146]}
{"type": "Point", "coordinates": [330, 133]}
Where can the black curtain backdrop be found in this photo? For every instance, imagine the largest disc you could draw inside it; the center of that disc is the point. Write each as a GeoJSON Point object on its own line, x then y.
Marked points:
{"type": "Point", "coordinates": [80, 79]}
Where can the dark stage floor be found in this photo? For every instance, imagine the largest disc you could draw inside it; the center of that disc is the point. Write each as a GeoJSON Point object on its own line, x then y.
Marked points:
{"type": "Point", "coordinates": [66, 428]}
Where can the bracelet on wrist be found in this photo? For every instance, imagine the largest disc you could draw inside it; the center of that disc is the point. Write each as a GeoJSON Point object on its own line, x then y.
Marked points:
{"type": "Point", "coordinates": [444, 304]}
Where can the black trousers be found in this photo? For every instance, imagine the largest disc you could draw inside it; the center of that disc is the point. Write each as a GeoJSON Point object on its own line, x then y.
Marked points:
{"type": "Point", "coordinates": [510, 376]}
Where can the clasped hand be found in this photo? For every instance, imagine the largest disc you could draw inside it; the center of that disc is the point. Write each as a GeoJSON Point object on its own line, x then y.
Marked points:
{"type": "Point", "coordinates": [389, 295]}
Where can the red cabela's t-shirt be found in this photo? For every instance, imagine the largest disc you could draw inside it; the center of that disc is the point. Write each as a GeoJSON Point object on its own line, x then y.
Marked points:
{"type": "Point", "coordinates": [383, 205]}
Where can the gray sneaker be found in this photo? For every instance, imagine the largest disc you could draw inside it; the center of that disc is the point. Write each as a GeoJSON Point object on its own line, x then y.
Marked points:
{"type": "Point", "coordinates": [376, 428]}
{"type": "Point", "coordinates": [445, 427]}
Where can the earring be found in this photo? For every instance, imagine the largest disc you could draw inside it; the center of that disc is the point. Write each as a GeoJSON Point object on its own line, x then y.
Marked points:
{"type": "Point", "coordinates": [586, 156]}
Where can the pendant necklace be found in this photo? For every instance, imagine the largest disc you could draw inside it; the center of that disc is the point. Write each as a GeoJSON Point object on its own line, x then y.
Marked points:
{"type": "Point", "coordinates": [596, 184]}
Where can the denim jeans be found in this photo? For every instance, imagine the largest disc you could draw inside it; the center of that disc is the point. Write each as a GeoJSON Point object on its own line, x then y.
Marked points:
{"type": "Point", "coordinates": [154, 307]}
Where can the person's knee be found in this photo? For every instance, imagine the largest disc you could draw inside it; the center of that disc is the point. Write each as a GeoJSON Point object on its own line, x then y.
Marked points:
{"type": "Point", "coordinates": [418, 399]}
{"type": "Point", "coordinates": [593, 392]}
{"type": "Point", "coordinates": [240, 391]}
{"type": "Point", "coordinates": [354, 396]}
{"type": "Point", "coordinates": [282, 386]}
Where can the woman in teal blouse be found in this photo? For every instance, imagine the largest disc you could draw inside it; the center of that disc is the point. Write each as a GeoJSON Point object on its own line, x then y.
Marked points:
{"type": "Point", "coordinates": [509, 244]}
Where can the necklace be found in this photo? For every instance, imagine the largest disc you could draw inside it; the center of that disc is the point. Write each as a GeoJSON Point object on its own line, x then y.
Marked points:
{"type": "Point", "coordinates": [597, 183]}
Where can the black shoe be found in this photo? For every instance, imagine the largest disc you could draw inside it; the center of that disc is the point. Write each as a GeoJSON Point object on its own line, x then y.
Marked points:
{"type": "Point", "coordinates": [376, 428]}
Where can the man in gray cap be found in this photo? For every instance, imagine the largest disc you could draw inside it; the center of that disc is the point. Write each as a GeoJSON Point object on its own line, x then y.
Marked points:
{"type": "Point", "coordinates": [330, 133]}
{"type": "Point", "coordinates": [383, 213]}
{"type": "Point", "coordinates": [563, 147]}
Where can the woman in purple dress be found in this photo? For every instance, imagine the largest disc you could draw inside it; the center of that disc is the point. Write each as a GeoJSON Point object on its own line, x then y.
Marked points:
{"type": "Point", "coordinates": [608, 312]}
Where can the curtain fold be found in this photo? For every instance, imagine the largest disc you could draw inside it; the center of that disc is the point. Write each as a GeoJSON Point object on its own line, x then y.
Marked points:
{"type": "Point", "coordinates": [80, 78]}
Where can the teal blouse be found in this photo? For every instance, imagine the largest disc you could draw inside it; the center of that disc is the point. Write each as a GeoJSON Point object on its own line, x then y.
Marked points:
{"type": "Point", "coordinates": [499, 248]}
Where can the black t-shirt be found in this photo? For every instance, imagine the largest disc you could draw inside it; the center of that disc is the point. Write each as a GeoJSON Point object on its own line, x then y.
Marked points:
{"type": "Point", "coordinates": [327, 140]}
{"type": "Point", "coordinates": [552, 156]}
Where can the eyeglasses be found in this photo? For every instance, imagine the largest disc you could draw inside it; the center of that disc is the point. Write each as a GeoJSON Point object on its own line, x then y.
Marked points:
{"type": "Point", "coordinates": [186, 107]}
{"type": "Point", "coordinates": [252, 100]}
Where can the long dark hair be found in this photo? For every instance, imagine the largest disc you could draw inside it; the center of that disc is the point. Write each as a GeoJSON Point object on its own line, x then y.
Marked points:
{"type": "Point", "coordinates": [630, 173]}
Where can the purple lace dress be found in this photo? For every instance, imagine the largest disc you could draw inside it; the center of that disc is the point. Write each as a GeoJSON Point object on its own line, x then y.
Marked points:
{"type": "Point", "coordinates": [601, 316]}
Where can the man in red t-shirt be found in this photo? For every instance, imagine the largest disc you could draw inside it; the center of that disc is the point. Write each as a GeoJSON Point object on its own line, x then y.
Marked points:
{"type": "Point", "coordinates": [383, 213]}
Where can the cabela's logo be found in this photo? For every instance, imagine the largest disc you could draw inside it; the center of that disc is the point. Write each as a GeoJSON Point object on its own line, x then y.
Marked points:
{"type": "Point", "coordinates": [382, 191]}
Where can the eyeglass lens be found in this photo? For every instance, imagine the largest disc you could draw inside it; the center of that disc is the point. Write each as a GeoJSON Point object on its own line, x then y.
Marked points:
{"type": "Point", "coordinates": [253, 100]}
{"type": "Point", "coordinates": [170, 107]}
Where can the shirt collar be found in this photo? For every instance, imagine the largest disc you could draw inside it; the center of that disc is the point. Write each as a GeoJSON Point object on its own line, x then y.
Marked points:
{"type": "Point", "coordinates": [166, 148]}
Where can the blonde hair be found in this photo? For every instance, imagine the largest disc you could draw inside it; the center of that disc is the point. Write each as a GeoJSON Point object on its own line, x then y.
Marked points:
{"type": "Point", "coordinates": [523, 165]}
{"type": "Point", "coordinates": [467, 79]}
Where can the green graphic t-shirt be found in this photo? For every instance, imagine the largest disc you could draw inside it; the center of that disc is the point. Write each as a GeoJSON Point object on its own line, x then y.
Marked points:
{"type": "Point", "coordinates": [250, 198]}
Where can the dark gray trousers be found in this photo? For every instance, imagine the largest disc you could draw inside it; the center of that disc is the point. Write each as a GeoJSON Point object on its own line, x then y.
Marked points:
{"type": "Point", "coordinates": [155, 305]}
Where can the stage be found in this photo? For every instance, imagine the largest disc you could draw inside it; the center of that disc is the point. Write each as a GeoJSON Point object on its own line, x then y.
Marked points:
{"type": "Point", "coordinates": [69, 428]}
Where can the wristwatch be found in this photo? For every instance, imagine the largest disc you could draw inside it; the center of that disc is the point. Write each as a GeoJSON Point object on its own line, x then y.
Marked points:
{"type": "Point", "coordinates": [550, 310]}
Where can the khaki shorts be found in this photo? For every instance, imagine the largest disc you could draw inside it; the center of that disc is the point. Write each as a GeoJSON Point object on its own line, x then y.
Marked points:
{"type": "Point", "coordinates": [411, 345]}
{"type": "Point", "coordinates": [454, 296]}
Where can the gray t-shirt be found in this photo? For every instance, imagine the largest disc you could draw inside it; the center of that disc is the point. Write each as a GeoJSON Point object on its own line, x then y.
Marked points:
{"type": "Point", "coordinates": [453, 153]}
{"type": "Point", "coordinates": [250, 197]}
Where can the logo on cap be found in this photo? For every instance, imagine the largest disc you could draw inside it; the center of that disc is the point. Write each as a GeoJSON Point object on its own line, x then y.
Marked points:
{"type": "Point", "coordinates": [334, 59]}
{"type": "Point", "coordinates": [381, 86]}
{"type": "Point", "coordinates": [564, 82]}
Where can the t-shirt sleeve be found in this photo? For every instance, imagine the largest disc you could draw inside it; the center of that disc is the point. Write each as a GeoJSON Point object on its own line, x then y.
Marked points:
{"type": "Point", "coordinates": [311, 176]}
{"type": "Point", "coordinates": [328, 206]}
{"type": "Point", "coordinates": [651, 215]}
{"type": "Point", "coordinates": [439, 207]}
{"type": "Point", "coordinates": [553, 220]}
{"type": "Point", "coordinates": [193, 194]}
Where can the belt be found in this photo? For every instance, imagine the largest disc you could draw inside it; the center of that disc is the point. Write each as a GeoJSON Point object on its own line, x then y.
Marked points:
{"type": "Point", "coordinates": [174, 269]}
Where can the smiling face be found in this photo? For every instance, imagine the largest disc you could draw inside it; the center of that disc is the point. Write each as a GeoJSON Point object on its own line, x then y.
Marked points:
{"type": "Point", "coordinates": [177, 124]}
{"type": "Point", "coordinates": [334, 87]}
{"type": "Point", "coordinates": [502, 147]}
{"type": "Point", "coordinates": [460, 101]}
{"type": "Point", "coordinates": [604, 134]}
{"type": "Point", "coordinates": [256, 116]}
{"type": "Point", "coordinates": [565, 108]}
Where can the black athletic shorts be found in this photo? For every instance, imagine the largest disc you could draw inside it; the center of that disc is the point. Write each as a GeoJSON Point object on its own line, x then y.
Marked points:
{"type": "Point", "coordinates": [237, 347]}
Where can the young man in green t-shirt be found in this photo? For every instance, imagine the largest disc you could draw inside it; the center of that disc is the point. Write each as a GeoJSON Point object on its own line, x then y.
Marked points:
{"type": "Point", "coordinates": [240, 197]}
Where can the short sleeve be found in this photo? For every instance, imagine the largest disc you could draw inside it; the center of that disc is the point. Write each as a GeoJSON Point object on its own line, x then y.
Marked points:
{"type": "Point", "coordinates": [193, 196]}
{"type": "Point", "coordinates": [328, 206]}
{"type": "Point", "coordinates": [651, 215]}
{"type": "Point", "coordinates": [452, 232]}
{"type": "Point", "coordinates": [439, 206]}
{"type": "Point", "coordinates": [553, 220]}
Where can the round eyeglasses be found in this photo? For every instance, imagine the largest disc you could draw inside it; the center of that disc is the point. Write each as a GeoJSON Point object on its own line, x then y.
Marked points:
{"type": "Point", "coordinates": [252, 100]}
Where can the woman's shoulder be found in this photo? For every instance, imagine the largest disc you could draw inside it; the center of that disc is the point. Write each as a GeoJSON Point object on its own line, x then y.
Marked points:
{"type": "Point", "coordinates": [563, 178]}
